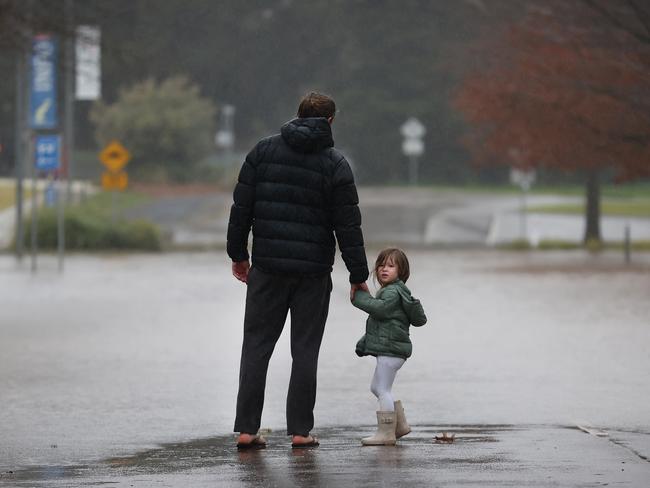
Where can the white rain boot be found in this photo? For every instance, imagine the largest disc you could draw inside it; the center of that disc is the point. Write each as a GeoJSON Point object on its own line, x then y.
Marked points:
{"type": "Point", "coordinates": [385, 435]}
{"type": "Point", "coordinates": [402, 427]}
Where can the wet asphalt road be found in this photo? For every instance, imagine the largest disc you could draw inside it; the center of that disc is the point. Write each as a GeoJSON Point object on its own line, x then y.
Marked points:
{"type": "Point", "coordinates": [500, 455]}
{"type": "Point", "coordinates": [126, 352]}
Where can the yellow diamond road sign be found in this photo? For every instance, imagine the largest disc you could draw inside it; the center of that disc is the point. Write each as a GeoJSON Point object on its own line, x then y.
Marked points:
{"type": "Point", "coordinates": [114, 156]}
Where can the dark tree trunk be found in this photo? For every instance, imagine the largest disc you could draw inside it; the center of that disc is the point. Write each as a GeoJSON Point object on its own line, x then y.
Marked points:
{"type": "Point", "coordinates": [592, 207]}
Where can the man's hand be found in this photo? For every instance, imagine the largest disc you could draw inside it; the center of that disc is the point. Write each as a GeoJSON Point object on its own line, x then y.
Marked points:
{"type": "Point", "coordinates": [358, 286]}
{"type": "Point", "coordinates": [240, 270]}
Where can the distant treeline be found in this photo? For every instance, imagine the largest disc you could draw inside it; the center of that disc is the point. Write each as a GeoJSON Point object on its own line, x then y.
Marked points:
{"type": "Point", "coordinates": [382, 61]}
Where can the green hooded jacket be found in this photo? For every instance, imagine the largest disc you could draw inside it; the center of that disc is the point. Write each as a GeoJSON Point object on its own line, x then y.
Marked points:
{"type": "Point", "coordinates": [387, 327]}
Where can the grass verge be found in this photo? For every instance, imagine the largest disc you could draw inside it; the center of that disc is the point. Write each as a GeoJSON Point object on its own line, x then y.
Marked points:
{"type": "Point", "coordinates": [8, 196]}
{"type": "Point", "coordinates": [637, 207]}
{"type": "Point", "coordinates": [560, 245]}
{"type": "Point", "coordinates": [628, 190]}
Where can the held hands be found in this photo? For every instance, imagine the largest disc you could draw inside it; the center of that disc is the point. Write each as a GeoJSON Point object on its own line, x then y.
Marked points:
{"type": "Point", "coordinates": [358, 286]}
{"type": "Point", "coordinates": [240, 270]}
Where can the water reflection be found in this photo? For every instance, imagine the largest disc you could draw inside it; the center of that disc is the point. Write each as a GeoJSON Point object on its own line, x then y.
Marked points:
{"type": "Point", "coordinates": [253, 468]}
{"type": "Point", "coordinates": [269, 467]}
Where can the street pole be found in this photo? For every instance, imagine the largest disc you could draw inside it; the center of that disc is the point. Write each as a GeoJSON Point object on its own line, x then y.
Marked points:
{"type": "Point", "coordinates": [29, 152]}
{"type": "Point", "coordinates": [34, 210]}
{"type": "Point", "coordinates": [19, 144]}
{"type": "Point", "coordinates": [524, 223]}
{"type": "Point", "coordinates": [413, 170]}
{"type": "Point", "coordinates": [523, 178]}
{"type": "Point", "coordinates": [626, 243]}
{"type": "Point", "coordinates": [113, 208]}
{"type": "Point", "coordinates": [412, 146]}
{"type": "Point", "coordinates": [228, 124]}
{"type": "Point", "coordinates": [68, 131]}
{"type": "Point", "coordinates": [60, 204]}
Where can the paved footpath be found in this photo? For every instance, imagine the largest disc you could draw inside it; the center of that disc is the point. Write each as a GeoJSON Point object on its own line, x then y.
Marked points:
{"type": "Point", "coordinates": [406, 216]}
{"type": "Point", "coordinates": [498, 455]}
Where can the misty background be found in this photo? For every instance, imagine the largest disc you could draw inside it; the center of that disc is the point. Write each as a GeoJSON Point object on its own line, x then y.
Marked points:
{"type": "Point", "coordinates": [381, 61]}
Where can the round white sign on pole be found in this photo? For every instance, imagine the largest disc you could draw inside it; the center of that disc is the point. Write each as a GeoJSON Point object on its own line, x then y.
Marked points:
{"type": "Point", "coordinates": [523, 178]}
{"type": "Point", "coordinates": [413, 129]}
{"type": "Point", "coordinates": [228, 110]}
{"type": "Point", "coordinates": [224, 138]}
{"type": "Point", "coordinates": [413, 147]}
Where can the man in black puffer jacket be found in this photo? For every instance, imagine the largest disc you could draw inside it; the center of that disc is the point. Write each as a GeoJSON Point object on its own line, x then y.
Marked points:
{"type": "Point", "coordinates": [296, 192]}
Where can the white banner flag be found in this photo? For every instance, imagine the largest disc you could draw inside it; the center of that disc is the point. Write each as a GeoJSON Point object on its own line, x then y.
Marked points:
{"type": "Point", "coordinates": [88, 66]}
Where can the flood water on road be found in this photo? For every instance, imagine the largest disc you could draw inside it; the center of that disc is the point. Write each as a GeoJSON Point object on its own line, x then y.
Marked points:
{"type": "Point", "coordinates": [125, 351]}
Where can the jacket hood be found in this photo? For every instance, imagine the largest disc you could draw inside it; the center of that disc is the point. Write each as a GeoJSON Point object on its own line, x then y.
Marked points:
{"type": "Point", "coordinates": [307, 135]}
{"type": "Point", "coordinates": [410, 305]}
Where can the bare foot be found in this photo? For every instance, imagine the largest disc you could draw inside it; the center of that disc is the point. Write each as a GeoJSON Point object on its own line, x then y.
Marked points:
{"type": "Point", "coordinates": [250, 441]}
{"type": "Point", "coordinates": [245, 438]}
{"type": "Point", "coordinates": [298, 439]}
{"type": "Point", "coordinates": [307, 441]}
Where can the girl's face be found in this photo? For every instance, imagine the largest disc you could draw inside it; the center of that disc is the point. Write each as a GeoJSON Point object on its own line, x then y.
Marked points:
{"type": "Point", "coordinates": [387, 272]}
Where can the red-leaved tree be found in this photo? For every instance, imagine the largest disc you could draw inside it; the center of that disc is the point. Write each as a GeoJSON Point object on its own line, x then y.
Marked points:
{"type": "Point", "coordinates": [566, 86]}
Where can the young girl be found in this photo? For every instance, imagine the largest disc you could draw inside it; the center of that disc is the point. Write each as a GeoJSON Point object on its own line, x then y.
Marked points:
{"type": "Point", "coordinates": [387, 338]}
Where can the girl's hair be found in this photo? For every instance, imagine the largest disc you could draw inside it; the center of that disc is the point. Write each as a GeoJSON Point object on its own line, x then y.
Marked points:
{"type": "Point", "coordinates": [400, 260]}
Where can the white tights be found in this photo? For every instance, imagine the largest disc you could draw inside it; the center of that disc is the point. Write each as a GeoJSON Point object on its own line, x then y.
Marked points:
{"type": "Point", "coordinates": [382, 381]}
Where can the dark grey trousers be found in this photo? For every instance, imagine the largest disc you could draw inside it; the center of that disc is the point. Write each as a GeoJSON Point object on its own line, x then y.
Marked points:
{"type": "Point", "coordinates": [268, 300]}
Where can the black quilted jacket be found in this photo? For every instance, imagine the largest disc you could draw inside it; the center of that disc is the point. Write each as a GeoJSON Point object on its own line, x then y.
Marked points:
{"type": "Point", "coordinates": [297, 192]}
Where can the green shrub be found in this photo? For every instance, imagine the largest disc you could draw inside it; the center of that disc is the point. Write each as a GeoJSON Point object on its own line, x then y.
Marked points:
{"type": "Point", "coordinates": [90, 231]}
{"type": "Point", "coordinates": [167, 127]}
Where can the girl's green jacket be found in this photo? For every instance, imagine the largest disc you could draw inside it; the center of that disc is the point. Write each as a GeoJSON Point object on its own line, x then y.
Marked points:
{"type": "Point", "coordinates": [387, 327]}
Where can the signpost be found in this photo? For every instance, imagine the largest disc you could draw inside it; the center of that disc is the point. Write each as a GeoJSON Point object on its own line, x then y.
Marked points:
{"type": "Point", "coordinates": [43, 106]}
{"type": "Point", "coordinates": [114, 157]}
{"type": "Point", "coordinates": [48, 152]}
{"type": "Point", "coordinates": [115, 181]}
{"type": "Point", "coordinates": [88, 63]}
{"type": "Point", "coordinates": [44, 146]}
{"type": "Point", "coordinates": [413, 146]}
{"type": "Point", "coordinates": [50, 194]}
{"type": "Point", "coordinates": [225, 136]}
{"type": "Point", "coordinates": [523, 178]}
{"type": "Point", "coordinates": [21, 111]}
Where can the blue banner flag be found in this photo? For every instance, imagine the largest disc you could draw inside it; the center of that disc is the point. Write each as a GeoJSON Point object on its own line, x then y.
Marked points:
{"type": "Point", "coordinates": [43, 107]}
{"type": "Point", "coordinates": [48, 153]}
